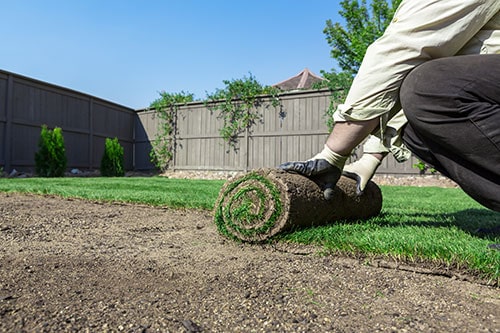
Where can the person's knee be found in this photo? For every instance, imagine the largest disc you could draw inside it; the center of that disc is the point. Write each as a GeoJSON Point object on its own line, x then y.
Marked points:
{"type": "Point", "coordinates": [413, 92]}
{"type": "Point", "coordinates": [408, 94]}
{"type": "Point", "coordinates": [423, 89]}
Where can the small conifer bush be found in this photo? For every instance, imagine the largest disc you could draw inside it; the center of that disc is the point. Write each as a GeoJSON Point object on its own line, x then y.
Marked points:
{"type": "Point", "coordinates": [112, 159]}
{"type": "Point", "coordinates": [50, 160]}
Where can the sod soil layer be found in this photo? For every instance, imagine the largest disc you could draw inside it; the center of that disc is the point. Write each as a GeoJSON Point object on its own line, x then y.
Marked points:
{"type": "Point", "coordinates": [80, 266]}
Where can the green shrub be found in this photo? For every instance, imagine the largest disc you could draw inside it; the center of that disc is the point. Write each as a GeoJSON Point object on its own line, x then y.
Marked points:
{"type": "Point", "coordinates": [50, 160]}
{"type": "Point", "coordinates": [423, 168]}
{"type": "Point", "coordinates": [112, 159]}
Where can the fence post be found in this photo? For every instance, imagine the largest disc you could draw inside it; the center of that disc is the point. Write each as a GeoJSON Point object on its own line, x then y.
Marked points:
{"type": "Point", "coordinates": [246, 145]}
{"type": "Point", "coordinates": [91, 133]}
{"type": "Point", "coordinates": [8, 123]}
{"type": "Point", "coordinates": [174, 139]}
{"type": "Point", "coordinates": [246, 150]}
{"type": "Point", "coordinates": [134, 126]}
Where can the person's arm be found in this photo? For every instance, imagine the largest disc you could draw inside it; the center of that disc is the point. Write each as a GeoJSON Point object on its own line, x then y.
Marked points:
{"type": "Point", "coordinates": [420, 31]}
{"type": "Point", "coordinates": [347, 135]}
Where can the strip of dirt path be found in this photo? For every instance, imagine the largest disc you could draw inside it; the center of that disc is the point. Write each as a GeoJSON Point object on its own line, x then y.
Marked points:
{"type": "Point", "coordinates": [74, 265]}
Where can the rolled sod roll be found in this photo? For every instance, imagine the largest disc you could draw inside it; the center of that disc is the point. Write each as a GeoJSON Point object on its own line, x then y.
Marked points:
{"type": "Point", "coordinates": [262, 203]}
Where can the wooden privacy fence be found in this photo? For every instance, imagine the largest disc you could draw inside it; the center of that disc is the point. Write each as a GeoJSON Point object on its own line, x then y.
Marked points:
{"type": "Point", "coordinates": [86, 121]}
{"type": "Point", "coordinates": [294, 131]}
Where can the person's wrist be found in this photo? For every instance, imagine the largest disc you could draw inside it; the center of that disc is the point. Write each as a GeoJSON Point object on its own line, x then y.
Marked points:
{"type": "Point", "coordinates": [332, 157]}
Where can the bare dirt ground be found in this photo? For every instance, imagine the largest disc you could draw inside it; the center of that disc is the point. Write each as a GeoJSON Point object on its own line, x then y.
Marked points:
{"type": "Point", "coordinates": [80, 266]}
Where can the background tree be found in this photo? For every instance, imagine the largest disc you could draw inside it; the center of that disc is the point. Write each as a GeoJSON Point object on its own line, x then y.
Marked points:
{"type": "Point", "coordinates": [364, 23]}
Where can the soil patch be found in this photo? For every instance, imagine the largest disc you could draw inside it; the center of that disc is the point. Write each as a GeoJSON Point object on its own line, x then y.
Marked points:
{"type": "Point", "coordinates": [73, 265]}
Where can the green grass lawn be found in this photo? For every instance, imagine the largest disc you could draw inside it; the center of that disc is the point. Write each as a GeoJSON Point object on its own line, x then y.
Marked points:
{"type": "Point", "coordinates": [156, 191]}
{"type": "Point", "coordinates": [436, 225]}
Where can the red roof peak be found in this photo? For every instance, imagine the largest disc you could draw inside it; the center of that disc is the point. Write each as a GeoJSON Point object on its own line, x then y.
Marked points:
{"type": "Point", "coordinates": [302, 80]}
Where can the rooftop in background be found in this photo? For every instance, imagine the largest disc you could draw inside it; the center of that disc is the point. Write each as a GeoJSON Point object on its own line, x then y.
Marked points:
{"type": "Point", "coordinates": [303, 80]}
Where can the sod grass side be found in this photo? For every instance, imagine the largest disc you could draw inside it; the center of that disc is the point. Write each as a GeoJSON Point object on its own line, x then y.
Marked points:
{"type": "Point", "coordinates": [438, 225]}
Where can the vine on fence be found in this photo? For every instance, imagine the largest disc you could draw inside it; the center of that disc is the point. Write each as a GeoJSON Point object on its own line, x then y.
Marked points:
{"type": "Point", "coordinates": [339, 84]}
{"type": "Point", "coordinates": [163, 146]}
{"type": "Point", "coordinates": [237, 105]}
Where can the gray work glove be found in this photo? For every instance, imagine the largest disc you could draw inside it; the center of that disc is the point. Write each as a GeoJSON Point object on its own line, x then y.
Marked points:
{"type": "Point", "coordinates": [324, 169]}
{"type": "Point", "coordinates": [362, 171]}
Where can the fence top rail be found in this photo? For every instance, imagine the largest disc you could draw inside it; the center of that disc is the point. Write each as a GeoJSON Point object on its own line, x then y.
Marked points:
{"type": "Point", "coordinates": [48, 85]}
{"type": "Point", "coordinates": [283, 95]}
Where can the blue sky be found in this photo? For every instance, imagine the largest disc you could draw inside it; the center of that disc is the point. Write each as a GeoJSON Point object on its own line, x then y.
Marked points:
{"type": "Point", "coordinates": [128, 51]}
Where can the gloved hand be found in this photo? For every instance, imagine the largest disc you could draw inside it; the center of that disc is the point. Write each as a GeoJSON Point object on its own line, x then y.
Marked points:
{"type": "Point", "coordinates": [324, 169]}
{"type": "Point", "coordinates": [362, 171]}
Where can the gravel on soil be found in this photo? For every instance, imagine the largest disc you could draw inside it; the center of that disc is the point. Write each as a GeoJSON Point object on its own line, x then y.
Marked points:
{"type": "Point", "coordinates": [71, 265]}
